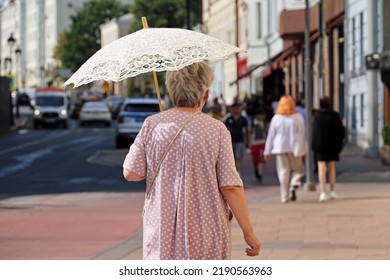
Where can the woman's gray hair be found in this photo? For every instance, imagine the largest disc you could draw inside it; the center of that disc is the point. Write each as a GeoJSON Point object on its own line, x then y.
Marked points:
{"type": "Point", "coordinates": [187, 86]}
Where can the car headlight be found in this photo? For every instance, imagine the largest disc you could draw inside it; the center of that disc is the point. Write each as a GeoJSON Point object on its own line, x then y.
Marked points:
{"type": "Point", "coordinates": [63, 112]}
{"type": "Point", "coordinates": [37, 112]}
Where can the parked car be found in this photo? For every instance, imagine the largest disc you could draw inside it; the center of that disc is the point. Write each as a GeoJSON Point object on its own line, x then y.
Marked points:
{"type": "Point", "coordinates": [23, 98]}
{"type": "Point", "coordinates": [50, 108]}
{"type": "Point", "coordinates": [95, 112]}
{"type": "Point", "coordinates": [131, 117]}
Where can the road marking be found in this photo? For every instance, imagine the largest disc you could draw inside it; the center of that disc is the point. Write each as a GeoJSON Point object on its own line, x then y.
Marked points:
{"type": "Point", "coordinates": [25, 160]}
{"type": "Point", "coordinates": [32, 143]}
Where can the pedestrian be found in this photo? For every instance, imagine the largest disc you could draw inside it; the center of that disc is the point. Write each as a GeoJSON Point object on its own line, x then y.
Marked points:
{"type": "Point", "coordinates": [300, 108]}
{"type": "Point", "coordinates": [251, 107]}
{"type": "Point", "coordinates": [238, 126]}
{"type": "Point", "coordinates": [258, 137]}
{"type": "Point", "coordinates": [216, 109]}
{"type": "Point", "coordinates": [285, 129]}
{"type": "Point", "coordinates": [193, 187]}
{"type": "Point", "coordinates": [327, 143]}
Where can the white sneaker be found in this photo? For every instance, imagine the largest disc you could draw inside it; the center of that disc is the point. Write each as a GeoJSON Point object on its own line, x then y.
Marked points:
{"type": "Point", "coordinates": [333, 195]}
{"type": "Point", "coordinates": [323, 197]}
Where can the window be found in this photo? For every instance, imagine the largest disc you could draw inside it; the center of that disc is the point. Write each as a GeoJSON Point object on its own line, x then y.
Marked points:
{"type": "Point", "coordinates": [353, 46]}
{"type": "Point", "coordinates": [259, 35]}
{"type": "Point", "coordinates": [353, 117]}
{"type": "Point", "coordinates": [362, 58]}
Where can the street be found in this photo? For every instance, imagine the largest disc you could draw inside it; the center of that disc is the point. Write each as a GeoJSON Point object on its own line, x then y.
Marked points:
{"type": "Point", "coordinates": [54, 160]}
{"type": "Point", "coordinates": [63, 197]}
{"type": "Point", "coordinates": [55, 203]}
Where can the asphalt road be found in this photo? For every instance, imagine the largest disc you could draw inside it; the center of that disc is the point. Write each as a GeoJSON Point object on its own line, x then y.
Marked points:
{"type": "Point", "coordinates": [54, 160]}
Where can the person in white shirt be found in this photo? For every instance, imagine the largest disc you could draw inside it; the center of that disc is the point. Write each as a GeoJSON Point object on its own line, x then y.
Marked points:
{"type": "Point", "coordinates": [281, 138]}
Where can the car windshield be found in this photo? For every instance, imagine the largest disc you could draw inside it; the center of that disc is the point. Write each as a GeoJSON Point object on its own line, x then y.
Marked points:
{"type": "Point", "coordinates": [49, 101]}
{"type": "Point", "coordinates": [141, 108]}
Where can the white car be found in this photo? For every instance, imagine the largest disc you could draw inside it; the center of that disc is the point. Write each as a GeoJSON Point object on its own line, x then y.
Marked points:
{"type": "Point", "coordinates": [94, 112]}
{"type": "Point", "coordinates": [50, 107]}
{"type": "Point", "coordinates": [131, 117]}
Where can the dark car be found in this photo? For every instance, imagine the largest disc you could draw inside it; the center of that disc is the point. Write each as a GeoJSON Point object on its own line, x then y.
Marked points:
{"type": "Point", "coordinates": [23, 99]}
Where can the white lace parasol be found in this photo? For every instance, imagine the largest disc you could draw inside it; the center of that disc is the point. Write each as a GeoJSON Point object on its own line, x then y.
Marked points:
{"type": "Point", "coordinates": [150, 50]}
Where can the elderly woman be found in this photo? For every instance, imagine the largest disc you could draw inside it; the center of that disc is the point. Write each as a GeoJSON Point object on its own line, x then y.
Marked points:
{"type": "Point", "coordinates": [192, 184]}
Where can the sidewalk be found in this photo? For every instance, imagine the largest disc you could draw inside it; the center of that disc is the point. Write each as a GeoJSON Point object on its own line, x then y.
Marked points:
{"type": "Point", "coordinates": [355, 226]}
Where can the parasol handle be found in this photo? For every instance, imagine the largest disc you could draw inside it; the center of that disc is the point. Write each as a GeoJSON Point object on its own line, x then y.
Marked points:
{"type": "Point", "coordinates": [145, 25]}
{"type": "Point", "coordinates": [144, 22]}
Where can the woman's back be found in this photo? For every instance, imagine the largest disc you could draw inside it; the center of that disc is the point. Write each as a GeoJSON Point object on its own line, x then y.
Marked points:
{"type": "Point", "coordinates": [185, 214]}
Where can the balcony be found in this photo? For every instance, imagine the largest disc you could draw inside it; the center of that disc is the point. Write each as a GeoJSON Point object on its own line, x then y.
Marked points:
{"type": "Point", "coordinates": [292, 22]}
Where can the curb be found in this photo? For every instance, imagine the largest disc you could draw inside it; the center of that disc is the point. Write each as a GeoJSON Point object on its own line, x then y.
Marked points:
{"type": "Point", "coordinates": [123, 249]}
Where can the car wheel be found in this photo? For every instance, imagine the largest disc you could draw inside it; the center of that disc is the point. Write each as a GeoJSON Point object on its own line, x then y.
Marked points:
{"type": "Point", "coordinates": [81, 124]}
{"type": "Point", "coordinates": [108, 123]}
{"type": "Point", "coordinates": [120, 143]}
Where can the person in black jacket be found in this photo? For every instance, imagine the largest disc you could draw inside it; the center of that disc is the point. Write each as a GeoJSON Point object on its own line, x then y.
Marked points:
{"type": "Point", "coordinates": [327, 143]}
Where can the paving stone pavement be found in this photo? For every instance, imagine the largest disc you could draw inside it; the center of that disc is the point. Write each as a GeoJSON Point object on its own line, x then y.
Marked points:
{"type": "Point", "coordinates": [354, 226]}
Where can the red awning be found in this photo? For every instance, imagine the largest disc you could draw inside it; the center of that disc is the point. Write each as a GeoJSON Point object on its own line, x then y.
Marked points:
{"type": "Point", "coordinates": [242, 66]}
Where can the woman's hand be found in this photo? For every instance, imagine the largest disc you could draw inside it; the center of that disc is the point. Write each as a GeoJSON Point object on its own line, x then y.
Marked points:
{"type": "Point", "coordinates": [254, 244]}
{"type": "Point", "coordinates": [235, 197]}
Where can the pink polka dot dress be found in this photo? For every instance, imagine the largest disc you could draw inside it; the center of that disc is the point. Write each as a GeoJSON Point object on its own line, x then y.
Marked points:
{"type": "Point", "coordinates": [185, 215]}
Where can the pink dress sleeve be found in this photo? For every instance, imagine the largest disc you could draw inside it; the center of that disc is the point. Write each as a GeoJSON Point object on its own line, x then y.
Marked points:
{"type": "Point", "coordinates": [227, 174]}
{"type": "Point", "coordinates": [135, 160]}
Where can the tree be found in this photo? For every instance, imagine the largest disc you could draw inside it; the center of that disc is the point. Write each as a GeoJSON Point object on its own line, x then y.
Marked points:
{"type": "Point", "coordinates": [162, 13]}
{"type": "Point", "coordinates": [165, 13]}
{"type": "Point", "coordinates": [82, 39]}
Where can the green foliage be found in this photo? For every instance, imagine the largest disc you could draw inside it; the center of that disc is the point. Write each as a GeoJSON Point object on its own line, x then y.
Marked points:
{"type": "Point", "coordinates": [386, 134]}
{"type": "Point", "coordinates": [82, 40]}
{"type": "Point", "coordinates": [164, 13]}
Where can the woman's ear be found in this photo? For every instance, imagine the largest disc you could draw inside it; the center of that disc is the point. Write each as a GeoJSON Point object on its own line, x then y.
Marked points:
{"type": "Point", "coordinates": [206, 95]}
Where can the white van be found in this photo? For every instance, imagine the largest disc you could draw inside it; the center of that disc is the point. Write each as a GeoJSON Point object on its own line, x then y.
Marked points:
{"type": "Point", "coordinates": [51, 107]}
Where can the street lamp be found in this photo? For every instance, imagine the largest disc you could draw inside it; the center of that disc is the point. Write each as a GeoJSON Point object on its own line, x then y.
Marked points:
{"type": "Point", "coordinates": [11, 42]}
{"type": "Point", "coordinates": [7, 64]}
{"type": "Point", "coordinates": [18, 53]}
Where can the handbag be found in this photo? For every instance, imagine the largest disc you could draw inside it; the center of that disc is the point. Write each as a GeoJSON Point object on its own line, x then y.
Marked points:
{"type": "Point", "coordinates": [300, 144]}
{"type": "Point", "coordinates": [166, 152]}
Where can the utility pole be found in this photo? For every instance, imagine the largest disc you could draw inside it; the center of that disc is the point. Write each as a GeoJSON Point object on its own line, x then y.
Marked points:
{"type": "Point", "coordinates": [372, 150]}
{"type": "Point", "coordinates": [321, 39]}
{"type": "Point", "coordinates": [237, 45]}
{"type": "Point", "coordinates": [309, 185]}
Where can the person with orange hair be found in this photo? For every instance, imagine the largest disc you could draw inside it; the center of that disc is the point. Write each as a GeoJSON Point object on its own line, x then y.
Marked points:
{"type": "Point", "coordinates": [285, 128]}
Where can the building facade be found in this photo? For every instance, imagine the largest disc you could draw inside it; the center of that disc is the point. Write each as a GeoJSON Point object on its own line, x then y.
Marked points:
{"type": "Point", "coordinates": [226, 20]}
{"type": "Point", "coordinates": [109, 32]}
{"type": "Point", "coordinates": [36, 26]}
{"type": "Point", "coordinates": [365, 92]}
